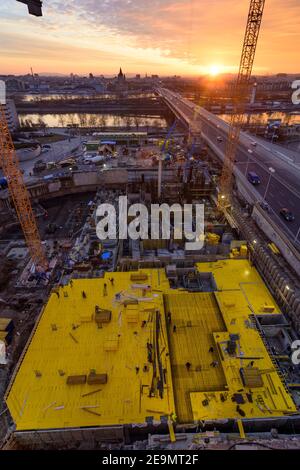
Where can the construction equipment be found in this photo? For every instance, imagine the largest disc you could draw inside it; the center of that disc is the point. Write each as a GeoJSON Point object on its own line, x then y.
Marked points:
{"type": "Point", "coordinates": [19, 193]}
{"type": "Point", "coordinates": [34, 6]}
{"type": "Point", "coordinates": [163, 148]}
{"type": "Point", "coordinates": [240, 94]}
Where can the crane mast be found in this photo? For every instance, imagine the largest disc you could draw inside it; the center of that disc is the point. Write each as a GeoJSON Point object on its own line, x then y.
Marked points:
{"type": "Point", "coordinates": [240, 94]}
{"type": "Point", "coordinates": [19, 193]}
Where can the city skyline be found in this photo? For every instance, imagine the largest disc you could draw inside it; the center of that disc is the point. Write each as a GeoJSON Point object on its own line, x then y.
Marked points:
{"type": "Point", "coordinates": [165, 37]}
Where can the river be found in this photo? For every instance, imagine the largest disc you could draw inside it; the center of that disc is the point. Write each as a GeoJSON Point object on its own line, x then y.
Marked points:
{"type": "Point", "coordinates": [262, 118]}
{"type": "Point", "coordinates": [91, 120]}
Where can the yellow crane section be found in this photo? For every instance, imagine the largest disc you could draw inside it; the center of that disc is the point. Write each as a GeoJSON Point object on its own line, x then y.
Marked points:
{"type": "Point", "coordinates": [240, 93]}
{"type": "Point", "coordinates": [19, 193]}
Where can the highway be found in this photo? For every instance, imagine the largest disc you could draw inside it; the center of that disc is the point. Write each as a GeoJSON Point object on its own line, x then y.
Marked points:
{"type": "Point", "coordinates": [279, 188]}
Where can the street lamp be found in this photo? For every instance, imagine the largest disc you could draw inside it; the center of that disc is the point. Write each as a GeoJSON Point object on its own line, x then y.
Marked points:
{"type": "Point", "coordinates": [296, 237]}
{"type": "Point", "coordinates": [248, 161]}
{"type": "Point", "coordinates": [272, 171]}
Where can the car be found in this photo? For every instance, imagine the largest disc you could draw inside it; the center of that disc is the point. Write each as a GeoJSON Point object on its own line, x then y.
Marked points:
{"type": "Point", "coordinates": [254, 144]}
{"type": "Point", "coordinates": [253, 178]}
{"type": "Point", "coordinates": [287, 214]}
{"type": "Point", "coordinates": [265, 206]}
{"type": "Point", "coordinates": [67, 163]}
{"type": "Point", "coordinates": [250, 151]}
{"type": "Point", "coordinates": [219, 139]}
{"type": "Point", "coordinates": [46, 146]}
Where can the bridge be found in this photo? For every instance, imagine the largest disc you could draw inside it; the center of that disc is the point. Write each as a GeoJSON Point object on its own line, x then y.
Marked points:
{"type": "Point", "coordinates": [276, 167]}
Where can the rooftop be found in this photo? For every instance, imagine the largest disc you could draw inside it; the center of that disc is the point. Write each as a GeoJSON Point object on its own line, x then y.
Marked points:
{"type": "Point", "coordinates": [69, 342]}
{"type": "Point", "coordinates": [124, 362]}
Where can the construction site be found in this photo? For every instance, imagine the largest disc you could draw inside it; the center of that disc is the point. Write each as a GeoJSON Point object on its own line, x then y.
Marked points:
{"type": "Point", "coordinates": [144, 343]}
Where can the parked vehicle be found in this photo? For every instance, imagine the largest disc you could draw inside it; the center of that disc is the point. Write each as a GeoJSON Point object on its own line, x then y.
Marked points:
{"type": "Point", "coordinates": [67, 163]}
{"type": "Point", "coordinates": [219, 139]}
{"type": "Point", "coordinates": [95, 160]}
{"type": "Point", "coordinates": [3, 183]}
{"type": "Point", "coordinates": [51, 165]}
{"type": "Point", "coordinates": [39, 166]}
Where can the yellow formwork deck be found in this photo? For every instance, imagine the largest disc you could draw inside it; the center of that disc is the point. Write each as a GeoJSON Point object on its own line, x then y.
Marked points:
{"type": "Point", "coordinates": [238, 274]}
{"type": "Point", "coordinates": [68, 342]}
{"type": "Point", "coordinates": [204, 322]}
{"type": "Point", "coordinates": [194, 317]}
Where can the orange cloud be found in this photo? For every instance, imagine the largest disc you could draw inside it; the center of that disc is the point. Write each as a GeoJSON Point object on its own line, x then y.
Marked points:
{"type": "Point", "coordinates": [161, 36]}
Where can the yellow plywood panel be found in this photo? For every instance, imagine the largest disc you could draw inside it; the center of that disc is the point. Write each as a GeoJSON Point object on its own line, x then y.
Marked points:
{"type": "Point", "coordinates": [207, 380]}
{"type": "Point", "coordinates": [238, 274]}
{"type": "Point", "coordinates": [40, 398]}
{"type": "Point", "coordinates": [202, 375]}
{"type": "Point", "coordinates": [194, 319]}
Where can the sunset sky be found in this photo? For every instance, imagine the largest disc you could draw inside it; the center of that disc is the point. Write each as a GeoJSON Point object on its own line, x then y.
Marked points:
{"type": "Point", "coordinates": [186, 37]}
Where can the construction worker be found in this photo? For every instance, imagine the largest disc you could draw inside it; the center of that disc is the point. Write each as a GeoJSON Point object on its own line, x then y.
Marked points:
{"type": "Point", "coordinates": [83, 294]}
{"type": "Point", "coordinates": [188, 366]}
{"type": "Point", "coordinates": [104, 289]}
{"type": "Point", "coordinates": [214, 364]}
{"type": "Point", "coordinates": [211, 349]}
{"type": "Point", "coordinates": [174, 329]}
{"type": "Point", "coordinates": [169, 318]}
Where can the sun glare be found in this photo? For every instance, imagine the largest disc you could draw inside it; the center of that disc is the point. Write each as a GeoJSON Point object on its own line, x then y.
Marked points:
{"type": "Point", "coordinates": [214, 70]}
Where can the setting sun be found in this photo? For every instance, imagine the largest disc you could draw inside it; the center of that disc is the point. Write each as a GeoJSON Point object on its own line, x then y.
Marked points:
{"type": "Point", "coordinates": [214, 70]}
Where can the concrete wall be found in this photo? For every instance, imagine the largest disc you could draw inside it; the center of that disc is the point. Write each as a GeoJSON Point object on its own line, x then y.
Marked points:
{"type": "Point", "coordinates": [85, 179]}
{"type": "Point", "coordinates": [68, 438]}
{"type": "Point", "coordinates": [270, 229]}
{"type": "Point", "coordinates": [28, 154]}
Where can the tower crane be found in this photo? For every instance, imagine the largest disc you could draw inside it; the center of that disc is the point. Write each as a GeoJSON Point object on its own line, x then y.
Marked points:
{"type": "Point", "coordinates": [15, 181]}
{"type": "Point", "coordinates": [240, 94]}
{"type": "Point", "coordinates": [19, 193]}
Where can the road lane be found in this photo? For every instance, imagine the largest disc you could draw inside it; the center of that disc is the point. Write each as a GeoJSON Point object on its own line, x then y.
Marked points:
{"type": "Point", "coordinates": [284, 187]}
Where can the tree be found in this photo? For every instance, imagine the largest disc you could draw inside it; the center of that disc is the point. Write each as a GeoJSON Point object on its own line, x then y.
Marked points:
{"type": "Point", "coordinates": [82, 119]}
{"type": "Point", "coordinates": [92, 120]}
{"type": "Point", "coordinates": [42, 124]}
{"type": "Point", "coordinates": [102, 121]}
{"type": "Point", "coordinates": [128, 121]}
{"type": "Point", "coordinates": [71, 119]}
{"type": "Point", "coordinates": [61, 120]}
{"type": "Point", "coordinates": [136, 122]}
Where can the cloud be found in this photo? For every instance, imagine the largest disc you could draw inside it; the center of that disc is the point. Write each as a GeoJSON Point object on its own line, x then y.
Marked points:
{"type": "Point", "coordinates": [184, 35]}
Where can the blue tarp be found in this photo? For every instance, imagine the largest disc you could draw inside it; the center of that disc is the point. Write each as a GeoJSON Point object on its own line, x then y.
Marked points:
{"type": "Point", "coordinates": [106, 255]}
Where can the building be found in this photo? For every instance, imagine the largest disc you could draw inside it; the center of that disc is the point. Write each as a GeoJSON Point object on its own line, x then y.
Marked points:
{"type": "Point", "coordinates": [11, 115]}
{"type": "Point", "coordinates": [124, 355]}
{"type": "Point", "coordinates": [121, 82]}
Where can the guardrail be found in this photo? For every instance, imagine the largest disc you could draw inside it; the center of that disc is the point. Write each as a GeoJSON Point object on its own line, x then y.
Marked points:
{"type": "Point", "coordinates": [250, 193]}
